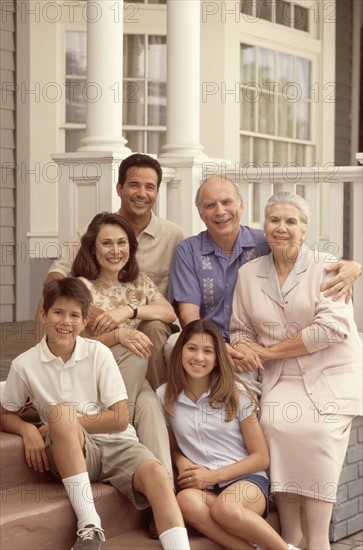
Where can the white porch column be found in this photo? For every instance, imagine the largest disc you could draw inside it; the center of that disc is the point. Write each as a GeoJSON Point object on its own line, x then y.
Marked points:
{"type": "Point", "coordinates": [183, 84]}
{"type": "Point", "coordinates": [183, 150]}
{"type": "Point", "coordinates": [104, 77]}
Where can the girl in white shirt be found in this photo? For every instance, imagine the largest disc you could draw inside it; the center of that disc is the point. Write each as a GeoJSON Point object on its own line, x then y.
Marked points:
{"type": "Point", "coordinates": [217, 444]}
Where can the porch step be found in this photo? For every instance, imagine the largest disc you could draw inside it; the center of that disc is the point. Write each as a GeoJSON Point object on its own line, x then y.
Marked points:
{"type": "Point", "coordinates": [139, 540]}
{"type": "Point", "coordinates": [35, 512]}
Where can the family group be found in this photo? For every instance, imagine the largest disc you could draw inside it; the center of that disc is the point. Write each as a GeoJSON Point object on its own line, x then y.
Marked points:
{"type": "Point", "coordinates": [205, 377]}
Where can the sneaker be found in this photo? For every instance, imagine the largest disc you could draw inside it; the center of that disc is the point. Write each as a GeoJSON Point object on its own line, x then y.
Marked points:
{"type": "Point", "coordinates": [89, 538]}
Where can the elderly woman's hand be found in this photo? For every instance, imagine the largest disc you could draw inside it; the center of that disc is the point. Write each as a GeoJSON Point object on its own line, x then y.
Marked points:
{"type": "Point", "coordinates": [136, 341]}
{"type": "Point", "coordinates": [342, 283]}
{"type": "Point", "coordinates": [245, 359]}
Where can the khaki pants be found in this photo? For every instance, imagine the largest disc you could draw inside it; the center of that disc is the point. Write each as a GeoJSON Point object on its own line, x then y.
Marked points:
{"type": "Point", "coordinates": [145, 412]}
{"type": "Point", "coordinates": [158, 332]}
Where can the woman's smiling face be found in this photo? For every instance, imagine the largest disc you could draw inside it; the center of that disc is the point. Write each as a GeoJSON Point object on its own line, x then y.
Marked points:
{"type": "Point", "coordinates": [198, 356]}
{"type": "Point", "coordinates": [112, 250]}
{"type": "Point", "coordinates": [283, 228]}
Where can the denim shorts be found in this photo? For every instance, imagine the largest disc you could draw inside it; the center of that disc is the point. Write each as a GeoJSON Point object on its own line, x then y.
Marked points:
{"type": "Point", "coordinates": [262, 483]}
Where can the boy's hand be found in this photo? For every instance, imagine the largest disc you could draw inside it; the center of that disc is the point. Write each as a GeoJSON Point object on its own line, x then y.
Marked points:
{"type": "Point", "coordinates": [34, 446]}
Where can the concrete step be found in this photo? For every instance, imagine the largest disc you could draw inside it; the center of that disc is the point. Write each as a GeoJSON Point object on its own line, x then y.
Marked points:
{"type": "Point", "coordinates": [139, 540]}
{"type": "Point", "coordinates": [13, 468]}
{"type": "Point", "coordinates": [35, 512]}
{"type": "Point", "coordinates": [40, 517]}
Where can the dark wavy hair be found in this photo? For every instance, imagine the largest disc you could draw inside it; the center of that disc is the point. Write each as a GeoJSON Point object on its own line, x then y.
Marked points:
{"type": "Point", "coordinates": [86, 264]}
{"type": "Point", "coordinates": [69, 288]}
{"type": "Point", "coordinates": [223, 389]}
{"type": "Point", "coordinates": [139, 160]}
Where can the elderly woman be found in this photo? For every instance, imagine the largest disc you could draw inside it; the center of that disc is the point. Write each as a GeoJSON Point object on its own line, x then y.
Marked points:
{"type": "Point", "coordinates": [310, 357]}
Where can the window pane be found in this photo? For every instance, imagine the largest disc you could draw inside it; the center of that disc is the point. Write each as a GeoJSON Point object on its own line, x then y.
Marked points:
{"type": "Point", "coordinates": [281, 152]}
{"type": "Point", "coordinates": [246, 7]}
{"type": "Point", "coordinates": [303, 75]}
{"type": "Point", "coordinates": [247, 111]}
{"type": "Point", "coordinates": [285, 70]}
{"type": "Point", "coordinates": [73, 140]}
{"type": "Point", "coordinates": [157, 57]}
{"type": "Point", "coordinates": [135, 140]}
{"type": "Point", "coordinates": [156, 104]}
{"type": "Point", "coordinates": [248, 59]}
{"type": "Point", "coordinates": [303, 120]}
{"type": "Point", "coordinates": [133, 103]}
{"type": "Point", "coordinates": [244, 150]}
{"type": "Point", "coordinates": [266, 67]}
{"type": "Point", "coordinates": [260, 151]}
{"type": "Point", "coordinates": [298, 154]}
{"type": "Point", "coordinates": [285, 118]}
{"type": "Point", "coordinates": [283, 14]}
{"type": "Point", "coordinates": [266, 119]}
{"type": "Point", "coordinates": [263, 10]}
{"type": "Point", "coordinates": [134, 56]}
{"type": "Point", "coordinates": [75, 102]}
{"type": "Point", "coordinates": [76, 53]}
{"type": "Point", "coordinates": [301, 18]}
{"type": "Point", "coordinates": [155, 141]}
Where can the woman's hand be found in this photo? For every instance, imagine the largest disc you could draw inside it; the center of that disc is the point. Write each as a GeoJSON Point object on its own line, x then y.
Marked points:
{"type": "Point", "coordinates": [248, 359]}
{"type": "Point", "coordinates": [342, 283]}
{"type": "Point", "coordinates": [109, 320]}
{"type": "Point", "coordinates": [136, 341]}
{"type": "Point", "coordinates": [196, 477]}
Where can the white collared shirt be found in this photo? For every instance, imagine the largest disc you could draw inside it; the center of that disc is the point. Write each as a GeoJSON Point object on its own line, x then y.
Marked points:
{"type": "Point", "coordinates": [202, 434]}
{"type": "Point", "coordinates": [90, 380]}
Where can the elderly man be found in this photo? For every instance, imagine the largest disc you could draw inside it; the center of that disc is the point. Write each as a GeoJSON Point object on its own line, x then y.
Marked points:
{"type": "Point", "coordinates": [204, 268]}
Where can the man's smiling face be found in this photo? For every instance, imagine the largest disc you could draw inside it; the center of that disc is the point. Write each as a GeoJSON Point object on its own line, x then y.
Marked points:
{"type": "Point", "coordinates": [220, 208]}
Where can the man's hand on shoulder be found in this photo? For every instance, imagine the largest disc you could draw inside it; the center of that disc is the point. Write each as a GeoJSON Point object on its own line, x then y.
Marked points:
{"type": "Point", "coordinates": [54, 275]}
{"type": "Point", "coordinates": [341, 284]}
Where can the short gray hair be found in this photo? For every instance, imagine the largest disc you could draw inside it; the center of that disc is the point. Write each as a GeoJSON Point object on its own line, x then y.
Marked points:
{"type": "Point", "coordinates": [286, 197]}
{"type": "Point", "coordinates": [223, 178]}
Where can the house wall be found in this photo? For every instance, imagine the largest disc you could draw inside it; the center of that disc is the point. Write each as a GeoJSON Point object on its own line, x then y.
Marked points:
{"type": "Point", "coordinates": [7, 150]}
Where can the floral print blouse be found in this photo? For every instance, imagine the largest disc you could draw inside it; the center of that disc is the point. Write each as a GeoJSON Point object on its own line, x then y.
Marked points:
{"type": "Point", "coordinates": [140, 292]}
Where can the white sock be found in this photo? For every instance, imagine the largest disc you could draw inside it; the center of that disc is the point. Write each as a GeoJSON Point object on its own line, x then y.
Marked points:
{"type": "Point", "coordinates": [79, 492]}
{"type": "Point", "coordinates": [175, 539]}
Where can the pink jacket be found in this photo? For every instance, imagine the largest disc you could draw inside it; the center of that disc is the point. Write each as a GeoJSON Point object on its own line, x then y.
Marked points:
{"type": "Point", "coordinates": [332, 370]}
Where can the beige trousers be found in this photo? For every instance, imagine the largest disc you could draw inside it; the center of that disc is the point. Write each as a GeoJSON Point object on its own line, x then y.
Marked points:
{"type": "Point", "coordinates": [145, 412]}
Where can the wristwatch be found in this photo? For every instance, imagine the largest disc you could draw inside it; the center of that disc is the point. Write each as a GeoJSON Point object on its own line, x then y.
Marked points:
{"type": "Point", "coordinates": [134, 309]}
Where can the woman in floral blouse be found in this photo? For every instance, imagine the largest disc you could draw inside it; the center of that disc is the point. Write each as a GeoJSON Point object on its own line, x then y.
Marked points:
{"type": "Point", "coordinates": [123, 298]}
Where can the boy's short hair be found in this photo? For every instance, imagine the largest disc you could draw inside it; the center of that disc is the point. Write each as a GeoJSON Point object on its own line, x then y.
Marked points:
{"type": "Point", "coordinates": [70, 288]}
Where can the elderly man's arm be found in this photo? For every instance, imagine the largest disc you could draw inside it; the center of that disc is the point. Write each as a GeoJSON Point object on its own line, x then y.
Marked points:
{"type": "Point", "coordinates": [187, 313]}
{"type": "Point", "coordinates": [348, 272]}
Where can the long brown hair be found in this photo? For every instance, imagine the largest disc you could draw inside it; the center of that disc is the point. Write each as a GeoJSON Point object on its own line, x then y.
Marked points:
{"type": "Point", "coordinates": [86, 264]}
{"type": "Point", "coordinates": [223, 390]}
